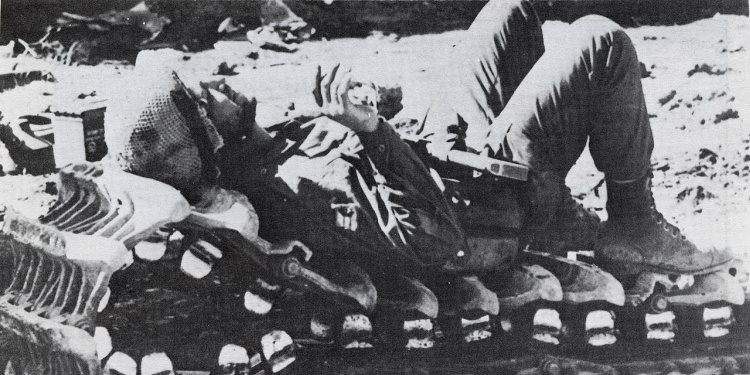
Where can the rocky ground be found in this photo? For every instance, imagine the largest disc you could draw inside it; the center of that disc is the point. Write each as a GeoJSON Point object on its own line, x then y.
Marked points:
{"type": "Point", "coordinates": [697, 87]}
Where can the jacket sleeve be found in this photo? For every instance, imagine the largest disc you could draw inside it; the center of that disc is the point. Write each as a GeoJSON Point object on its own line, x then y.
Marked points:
{"type": "Point", "coordinates": [427, 222]}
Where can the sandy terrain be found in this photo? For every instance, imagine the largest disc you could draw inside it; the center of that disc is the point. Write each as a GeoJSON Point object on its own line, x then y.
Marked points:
{"type": "Point", "coordinates": [698, 95]}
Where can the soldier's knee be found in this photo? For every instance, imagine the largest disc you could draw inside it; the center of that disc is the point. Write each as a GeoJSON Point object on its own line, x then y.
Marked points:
{"type": "Point", "coordinates": [508, 4]}
{"type": "Point", "coordinates": [519, 4]}
{"type": "Point", "coordinates": [596, 27]}
{"type": "Point", "coordinates": [597, 23]}
{"type": "Point", "coordinates": [605, 38]}
{"type": "Point", "coordinates": [506, 9]}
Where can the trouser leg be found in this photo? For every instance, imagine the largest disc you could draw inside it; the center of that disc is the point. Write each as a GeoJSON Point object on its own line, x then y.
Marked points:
{"type": "Point", "coordinates": [586, 88]}
{"type": "Point", "coordinates": [501, 46]}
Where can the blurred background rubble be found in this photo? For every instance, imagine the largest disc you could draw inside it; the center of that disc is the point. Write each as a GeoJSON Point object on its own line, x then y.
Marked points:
{"type": "Point", "coordinates": [117, 29]}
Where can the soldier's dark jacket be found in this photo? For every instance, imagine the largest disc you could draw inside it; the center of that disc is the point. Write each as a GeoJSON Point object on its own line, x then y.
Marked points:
{"type": "Point", "coordinates": [316, 172]}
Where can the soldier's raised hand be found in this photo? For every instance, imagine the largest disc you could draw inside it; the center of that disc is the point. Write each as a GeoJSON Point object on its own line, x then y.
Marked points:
{"type": "Point", "coordinates": [233, 113]}
{"type": "Point", "coordinates": [332, 94]}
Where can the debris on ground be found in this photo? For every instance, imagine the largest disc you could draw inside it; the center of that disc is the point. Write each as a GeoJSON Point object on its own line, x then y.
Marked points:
{"type": "Point", "coordinates": [229, 26]}
{"type": "Point", "coordinates": [645, 73]}
{"type": "Point", "coordinates": [114, 35]}
{"type": "Point", "coordinates": [697, 195]}
{"type": "Point", "coordinates": [15, 72]}
{"type": "Point", "coordinates": [138, 16]}
{"type": "Point", "coordinates": [267, 37]}
{"type": "Point", "coordinates": [726, 115]}
{"type": "Point", "coordinates": [668, 97]}
{"type": "Point", "coordinates": [225, 70]}
{"type": "Point", "coordinates": [281, 27]}
{"type": "Point", "coordinates": [709, 155]}
{"type": "Point", "coordinates": [29, 153]}
{"type": "Point", "coordinates": [120, 35]}
{"type": "Point", "coordinates": [379, 35]}
{"type": "Point", "coordinates": [290, 27]}
{"type": "Point", "coordinates": [708, 69]}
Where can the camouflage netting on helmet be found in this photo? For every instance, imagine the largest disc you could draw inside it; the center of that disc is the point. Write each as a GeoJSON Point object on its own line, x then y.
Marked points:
{"type": "Point", "coordinates": [147, 135]}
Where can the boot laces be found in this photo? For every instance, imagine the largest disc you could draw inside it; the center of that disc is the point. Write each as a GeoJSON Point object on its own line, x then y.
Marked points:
{"type": "Point", "coordinates": [663, 223]}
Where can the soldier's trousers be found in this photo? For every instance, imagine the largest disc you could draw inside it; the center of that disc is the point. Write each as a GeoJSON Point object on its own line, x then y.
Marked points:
{"type": "Point", "coordinates": [538, 105]}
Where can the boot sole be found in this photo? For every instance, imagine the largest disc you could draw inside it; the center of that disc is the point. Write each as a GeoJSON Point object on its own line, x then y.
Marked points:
{"type": "Point", "coordinates": [622, 268]}
{"type": "Point", "coordinates": [571, 273]}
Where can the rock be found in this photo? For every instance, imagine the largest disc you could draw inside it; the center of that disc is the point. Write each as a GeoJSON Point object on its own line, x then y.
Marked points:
{"type": "Point", "coordinates": [705, 153]}
{"type": "Point", "coordinates": [668, 97]}
{"type": "Point", "coordinates": [645, 73]}
{"type": "Point", "coordinates": [726, 115]}
{"type": "Point", "coordinates": [662, 168]}
{"type": "Point", "coordinates": [699, 194]}
{"type": "Point", "coordinates": [225, 70]}
{"type": "Point", "coordinates": [708, 69]}
{"type": "Point", "coordinates": [267, 38]}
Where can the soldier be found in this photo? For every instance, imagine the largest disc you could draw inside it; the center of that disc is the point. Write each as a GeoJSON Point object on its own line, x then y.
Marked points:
{"type": "Point", "coordinates": [344, 183]}
{"type": "Point", "coordinates": [516, 98]}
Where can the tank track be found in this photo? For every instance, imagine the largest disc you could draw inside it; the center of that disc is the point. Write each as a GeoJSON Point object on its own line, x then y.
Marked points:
{"type": "Point", "coordinates": [55, 276]}
{"type": "Point", "coordinates": [697, 359]}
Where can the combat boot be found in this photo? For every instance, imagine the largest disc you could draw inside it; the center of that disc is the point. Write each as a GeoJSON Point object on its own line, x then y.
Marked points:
{"type": "Point", "coordinates": [572, 228]}
{"type": "Point", "coordinates": [637, 238]}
